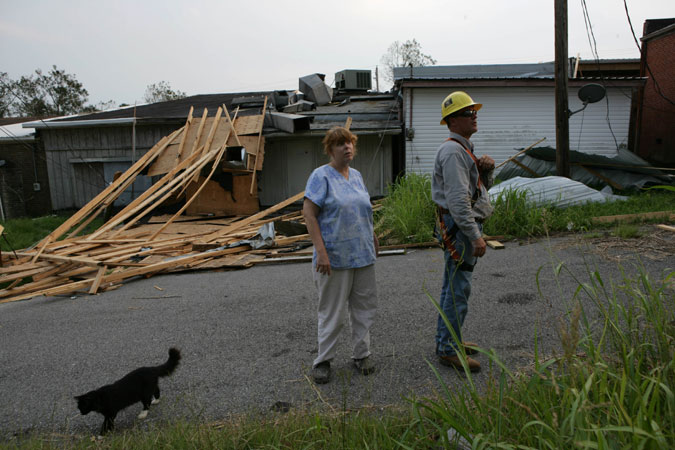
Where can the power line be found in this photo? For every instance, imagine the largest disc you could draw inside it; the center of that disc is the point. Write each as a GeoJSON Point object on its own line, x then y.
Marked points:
{"type": "Point", "coordinates": [651, 74]}
{"type": "Point", "coordinates": [594, 50]}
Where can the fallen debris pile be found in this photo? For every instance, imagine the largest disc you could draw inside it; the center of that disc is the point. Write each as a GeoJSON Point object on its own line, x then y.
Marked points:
{"type": "Point", "coordinates": [124, 247]}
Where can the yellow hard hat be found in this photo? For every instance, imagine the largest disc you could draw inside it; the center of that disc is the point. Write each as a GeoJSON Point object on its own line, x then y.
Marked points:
{"type": "Point", "coordinates": [456, 101]}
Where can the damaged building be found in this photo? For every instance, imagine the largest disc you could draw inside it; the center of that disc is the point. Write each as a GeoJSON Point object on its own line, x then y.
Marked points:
{"type": "Point", "coordinates": [85, 152]}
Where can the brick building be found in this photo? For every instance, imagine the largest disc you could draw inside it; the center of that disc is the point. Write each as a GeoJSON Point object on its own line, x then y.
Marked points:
{"type": "Point", "coordinates": [24, 183]}
{"type": "Point", "coordinates": [656, 116]}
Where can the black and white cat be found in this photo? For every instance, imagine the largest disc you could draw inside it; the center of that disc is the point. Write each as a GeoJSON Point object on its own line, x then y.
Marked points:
{"type": "Point", "coordinates": [140, 385]}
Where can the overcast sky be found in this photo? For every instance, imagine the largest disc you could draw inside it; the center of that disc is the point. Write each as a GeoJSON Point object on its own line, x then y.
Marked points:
{"type": "Point", "coordinates": [117, 48]}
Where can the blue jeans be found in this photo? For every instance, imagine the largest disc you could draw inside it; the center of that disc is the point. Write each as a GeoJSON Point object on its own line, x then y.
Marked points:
{"type": "Point", "coordinates": [455, 292]}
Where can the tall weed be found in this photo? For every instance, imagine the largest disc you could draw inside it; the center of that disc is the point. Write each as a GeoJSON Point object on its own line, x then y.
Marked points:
{"type": "Point", "coordinates": [611, 386]}
{"type": "Point", "coordinates": [408, 213]}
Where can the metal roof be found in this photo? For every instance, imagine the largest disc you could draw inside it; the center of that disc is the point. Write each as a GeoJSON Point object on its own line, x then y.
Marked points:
{"type": "Point", "coordinates": [369, 112]}
{"type": "Point", "coordinates": [538, 70]}
{"type": "Point", "coordinates": [559, 191]}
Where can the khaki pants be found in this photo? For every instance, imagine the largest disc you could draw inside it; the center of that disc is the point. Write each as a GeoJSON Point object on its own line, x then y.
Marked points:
{"type": "Point", "coordinates": [347, 289]}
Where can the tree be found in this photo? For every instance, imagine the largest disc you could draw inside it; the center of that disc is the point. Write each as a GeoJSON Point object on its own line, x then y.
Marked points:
{"type": "Point", "coordinates": [5, 95]}
{"type": "Point", "coordinates": [400, 55]}
{"type": "Point", "coordinates": [100, 106]}
{"type": "Point", "coordinates": [161, 92]}
{"type": "Point", "coordinates": [56, 93]}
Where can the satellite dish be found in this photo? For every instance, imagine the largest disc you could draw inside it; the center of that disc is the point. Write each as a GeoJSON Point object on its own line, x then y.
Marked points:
{"type": "Point", "coordinates": [589, 93]}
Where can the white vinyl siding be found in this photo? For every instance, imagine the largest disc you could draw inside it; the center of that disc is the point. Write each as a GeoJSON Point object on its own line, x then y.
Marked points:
{"type": "Point", "coordinates": [513, 118]}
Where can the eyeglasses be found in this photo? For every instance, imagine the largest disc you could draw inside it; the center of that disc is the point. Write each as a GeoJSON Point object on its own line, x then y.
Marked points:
{"type": "Point", "coordinates": [467, 113]}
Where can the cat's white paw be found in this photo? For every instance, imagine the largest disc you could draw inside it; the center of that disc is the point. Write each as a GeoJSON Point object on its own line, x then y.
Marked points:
{"type": "Point", "coordinates": [154, 401]}
{"type": "Point", "coordinates": [143, 414]}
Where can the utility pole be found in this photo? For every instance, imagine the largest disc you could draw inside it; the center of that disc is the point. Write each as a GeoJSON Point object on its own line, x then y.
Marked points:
{"type": "Point", "coordinates": [562, 124]}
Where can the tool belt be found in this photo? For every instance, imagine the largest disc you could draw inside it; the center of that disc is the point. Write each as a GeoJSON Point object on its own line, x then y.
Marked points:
{"type": "Point", "coordinates": [448, 240]}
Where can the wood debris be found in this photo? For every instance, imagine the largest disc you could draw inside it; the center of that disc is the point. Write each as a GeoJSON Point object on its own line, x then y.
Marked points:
{"type": "Point", "coordinates": [495, 244]}
{"type": "Point", "coordinates": [129, 245]}
{"type": "Point", "coordinates": [668, 215]}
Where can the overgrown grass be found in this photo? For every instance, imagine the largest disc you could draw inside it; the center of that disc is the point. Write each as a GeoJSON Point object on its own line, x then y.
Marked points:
{"type": "Point", "coordinates": [24, 232]}
{"type": "Point", "coordinates": [611, 386]}
{"type": "Point", "coordinates": [408, 213]}
{"type": "Point", "coordinates": [513, 216]}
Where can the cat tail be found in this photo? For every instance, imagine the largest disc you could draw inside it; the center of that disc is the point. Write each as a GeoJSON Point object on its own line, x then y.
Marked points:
{"type": "Point", "coordinates": [168, 367]}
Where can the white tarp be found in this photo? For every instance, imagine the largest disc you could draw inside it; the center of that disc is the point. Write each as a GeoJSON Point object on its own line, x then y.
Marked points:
{"type": "Point", "coordinates": [557, 191]}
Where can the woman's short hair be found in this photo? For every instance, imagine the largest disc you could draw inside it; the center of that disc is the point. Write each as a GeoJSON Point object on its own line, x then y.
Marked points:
{"type": "Point", "coordinates": [338, 136]}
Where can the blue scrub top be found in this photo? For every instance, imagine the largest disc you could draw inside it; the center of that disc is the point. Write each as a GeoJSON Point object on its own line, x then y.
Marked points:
{"type": "Point", "coordinates": [345, 217]}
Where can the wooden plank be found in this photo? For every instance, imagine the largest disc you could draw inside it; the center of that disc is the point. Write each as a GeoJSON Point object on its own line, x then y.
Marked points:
{"type": "Point", "coordinates": [22, 267]}
{"type": "Point", "coordinates": [666, 227]}
{"type": "Point", "coordinates": [520, 152]}
{"type": "Point", "coordinates": [56, 270]}
{"type": "Point", "coordinates": [67, 259]}
{"type": "Point", "coordinates": [525, 168]}
{"type": "Point", "coordinates": [244, 222]}
{"type": "Point", "coordinates": [181, 146]}
{"type": "Point", "coordinates": [10, 294]}
{"type": "Point", "coordinates": [413, 245]}
{"type": "Point", "coordinates": [150, 195]}
{"type": "Point", "coordinates": [97, 281]}
{"type": "Point", "coordinates": [21, 275]}
{"type": "Point", "coordinates": [84, 211]}
{"type": "Point", "coordinates": [248, 124]}
{"type": "Point", "coordinates": [212, 132]}
{"type": "Point", "coordinates": [63, 289]}
{"type": "Point", "coordinates": [231, 123]}
{"type": "Point", "coordinates": [186, 259]}
{"type": "Point", "coordinates": [215, 199]}
{"type": "Point", "coordinates": [193, 197]}
{"type": "Point", "coordinates": [258, 149]}
{"type": "Point", "coordinates": [200, 129]}
{"type": "Point", "coordinates": [668, 215]}
{"type": "Point", "coordinates": [595, 173]}
{"type": "Point", "coordinates": [292, 239]}
{"type": "Point", "coordinates": [495, 244]}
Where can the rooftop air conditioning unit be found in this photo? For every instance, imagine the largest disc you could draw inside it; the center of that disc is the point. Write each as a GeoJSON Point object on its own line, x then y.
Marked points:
{"type": "Point", "coordinates": [353, 80]}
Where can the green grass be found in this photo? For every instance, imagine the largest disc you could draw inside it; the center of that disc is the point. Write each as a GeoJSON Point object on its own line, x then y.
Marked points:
{"type": "Point", "coordinates": [24, 232]}
{"type": "Point", "coordinates": [513, 216]}
{"type": "Point", "coordinates": [627, 231]}
{"type": "Point", "coordinates": [349, 430]}
{"type": "Point", "coordinates": [609, 387]}
{"type": "Point", "coordinates": [408, 213]}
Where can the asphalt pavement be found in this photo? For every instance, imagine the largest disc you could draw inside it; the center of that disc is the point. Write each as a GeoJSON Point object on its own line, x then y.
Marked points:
{"type": "Point", "coordinates": [248, 337]}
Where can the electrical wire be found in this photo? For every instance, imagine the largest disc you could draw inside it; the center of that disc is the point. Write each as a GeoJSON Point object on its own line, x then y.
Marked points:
{"type": "Point", "coordinates": [594, 50]}
{"type": "Point", "coordinates": [651, 74]}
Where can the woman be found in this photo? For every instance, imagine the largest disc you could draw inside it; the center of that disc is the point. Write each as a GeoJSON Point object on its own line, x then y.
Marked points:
{"type": "Point", "coordinates": [339, 220]}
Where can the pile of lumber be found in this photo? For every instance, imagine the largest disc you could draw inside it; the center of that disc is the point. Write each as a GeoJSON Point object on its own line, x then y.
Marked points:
{"type": "Point", "coordinates": [132, 243]}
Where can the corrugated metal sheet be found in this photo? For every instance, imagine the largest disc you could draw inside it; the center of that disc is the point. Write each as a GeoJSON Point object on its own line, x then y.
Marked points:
{"type": "Point", "coordinates": [559, 191]}
{"type": "Point", "coordinates": [511, 119]}
{"type": "Point", "coordinates": [625, 171]}
{"type": "Point", "coordinates": [535, 70]}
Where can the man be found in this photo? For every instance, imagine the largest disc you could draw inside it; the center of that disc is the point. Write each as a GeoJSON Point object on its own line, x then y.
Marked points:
{"type": "Point", "coordinates": [459, 188]}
